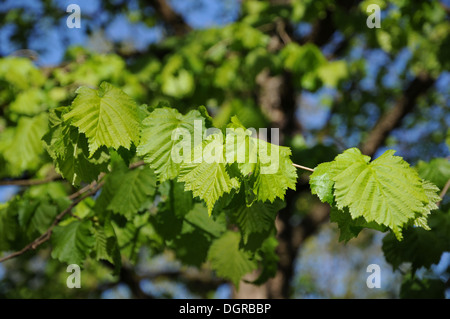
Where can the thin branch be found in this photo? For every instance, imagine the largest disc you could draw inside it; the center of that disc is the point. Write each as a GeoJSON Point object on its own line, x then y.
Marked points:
{"type": "Point", "coordinates": [86, 188]}
{"type": "Point", "coordinates": [136, 165]}
{"type": "Point", "coordinates": [31, 182]}
{"type": "Point", "coordinates": [46, 236]}
{"type": "Point", "coordinates": [91, 189]}
{"type": "Point", "coordinates": [444, 191]}
{"type": "Point", "coordinates": [281, 29]}
{"type": "Point", "coordinates": [303, 167]}
{"type": "Point", "coordinates": [393, 118]}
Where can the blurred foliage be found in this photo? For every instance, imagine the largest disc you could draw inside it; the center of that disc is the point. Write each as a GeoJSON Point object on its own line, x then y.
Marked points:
{"type": "Point", "coordinates": [363, 72]}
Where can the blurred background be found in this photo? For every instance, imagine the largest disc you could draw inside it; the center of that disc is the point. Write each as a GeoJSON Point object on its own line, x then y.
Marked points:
{"type": "Point", "coordinates": [312, 68]}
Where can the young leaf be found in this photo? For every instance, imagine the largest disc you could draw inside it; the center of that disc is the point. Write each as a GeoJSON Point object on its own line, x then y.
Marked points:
{"type": "Point", "coordinates": [431, 191]}
{"type": "Point", "coordinates": [44, 216]}
{"type": "Point", "coordinates": [269, 259]}
{"type": "Point", "coordinates": [107, 116]}
{"type": "Point", "coordinates": [8, 227]}
{"type": "Point", "coordinates": [160, 134]}
{"type": "Point", "coordinates": [321, 182]}
{"type": "Point", "coordinates": [69, 150]}
{"type": "Point", "coordinates": [350, 228]}
{"type": "Point", "coordinates": [101, 245]}
{"type": "Point", "coordinates": [257, 218]}
{"type": "Point", "coordinates": [420, 247]}
{"type": "Point", "coordinates": [133, 188]}
{"type": "Point", "coordinates": [72, 243]}
{"type": "Point", "coordinates": [386, 191]}
{"type": "Point", "coordinates": [191, 247]}
{"type": "Point", "coordinates": [106, 246]}
{"type": "Point", "coordinates": [199, 218]}
{"type": "Point", "coordinates": [229, 260]}
{"type": "Point", "coordinates": [267, 165]}
{"type": "Point", "coordinates": [272, 181]}
{"type": "Point", "coordinates": [176, 198]}
{"type": "Point", "coordinates": [425, 288]}
{"type": "Point", "coordinates": [436, 171]}
{"type": "Point", "coordinates": [206, 175]}
{"type": "Point", "coordinates": [25, 147]}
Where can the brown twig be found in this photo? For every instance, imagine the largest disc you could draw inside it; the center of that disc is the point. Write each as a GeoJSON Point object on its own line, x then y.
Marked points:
{"type": "Point", "coordinates": [91, 189]}
{"type": "Point", "coordinates": [31, 182]}
{"type": "Point", "coordinates": [394, 117]}
{"type": "Point", "coordinates": [46, 236]}
{"type": "Point", "coordinates": [136, 165]}
{"type": "Point", "coordinates": [281, 29]}
{"type": "Point", "coordinates": [303, 167]}
{"type": "Point", "coordinates": [86, 188]}
{"type": "Point", "coordinates": [444, 191]}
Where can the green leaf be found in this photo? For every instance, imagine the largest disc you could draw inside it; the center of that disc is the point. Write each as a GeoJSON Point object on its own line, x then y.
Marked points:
{"type": "Point", "coordinates": [426, 288]}
{"type": "Point", "coordinates": [257, 218]}
{"type": "Point", "coordinates": [107, 116]}
{"type": "Point", "coordinates": [8, 227]}
{"type": "Point", "coordinates": [332, 72]}
{"type": "Point", "coordinates": [126, 191]}
{"type": "Point", "coordinates": [228, 260]}
{"type": "Point", "coordinates": [386, 191]}
{"type": "Point", "coordinates": [269, 260]}
{"type": "Point", "coordinates": [69, 150]}
{"type": "Point", "coordinates": [204, 113]}
{"type": "Point", "coordinates": [350, 228]}
{"type": "Point", "coordinates": [272, 180]}
{"type": "Point", "coordinates": [321, 182]}
{"type": "Point", "coordinates": [206, 175]}
{"type": "Point", "coordinates": [131, 191]}
{"type": "Point", "coordinates": [241, 147]}
{"type": "Point", "coordinates": [130, 239]}
{"type": "Point", "coordinates": [79, 167]}
{"type": "Point", "coordinates": [72, 243]}
{"type": "Point", "coordinates": [38, 207]}
{"type": "Point", "coordinates": [267, 166]}
{"type": "Point", "coordinates": [58, 136]}
{"type": "Point", "coordinates": [431, 191]}
{"type": "Point", "coordinates": [420, 247]}
{"type": "Point", "coordinates": [43, 217]}
{"type": "Point", "coordinates": [436, 171]}
{"type": "Point", "coordinates": [191, 247]}
{"type": "Point", "coordinates": [29, 102]}
{"type": "Point", "coordinates": [199, 217]}
{"type": "Point", "coordinates": [177, 199]}
{"type": "Point", "coordinates": [20, 72]}
{"type": "Point", "coordinates": [302, 59]}
{"type": "Point", "coordinates": [101, 245]}
{"type": "Point", "coordinates": [166, 223]}
{"type": "Point", "coordinates": [157, 144]}
{"type": "Point", "coordinates": [179, 85]}
{"type": "Point", "coordinates": [25, 148]}
{"type": "Point", "coordinates": [106, 246]}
